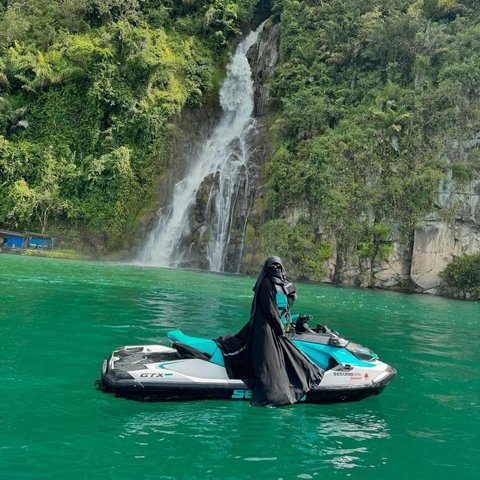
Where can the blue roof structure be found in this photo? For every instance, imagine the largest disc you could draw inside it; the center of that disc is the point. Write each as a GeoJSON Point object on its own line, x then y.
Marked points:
{"type": "Point", "coordinates": [22, 240]}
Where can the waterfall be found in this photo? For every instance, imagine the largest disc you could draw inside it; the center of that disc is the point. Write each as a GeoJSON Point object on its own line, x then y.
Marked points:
{"type": "Point", "coordinates": [220, 166]}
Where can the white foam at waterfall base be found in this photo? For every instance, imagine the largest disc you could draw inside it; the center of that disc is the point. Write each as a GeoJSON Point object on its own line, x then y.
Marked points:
{"type": "Point", "coordinates": [224, 154]}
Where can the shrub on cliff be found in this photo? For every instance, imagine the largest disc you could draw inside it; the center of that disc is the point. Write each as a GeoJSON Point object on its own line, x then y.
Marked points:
{"type": "Point", "coordinates": [461, 277]}
{"type": "Point", "coordinates": [300, 246]}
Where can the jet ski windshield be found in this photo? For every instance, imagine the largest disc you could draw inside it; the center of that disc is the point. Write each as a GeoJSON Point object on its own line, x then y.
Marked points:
{"type": "Point", "coordinates": [361, 352]}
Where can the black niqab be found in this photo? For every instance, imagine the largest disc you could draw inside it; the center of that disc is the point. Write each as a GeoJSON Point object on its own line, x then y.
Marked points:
{"type": "Point", "coordinates": [261, 354]}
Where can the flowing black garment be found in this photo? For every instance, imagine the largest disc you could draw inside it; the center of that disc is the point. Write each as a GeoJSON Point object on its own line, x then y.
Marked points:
{"type": "Point", "coordinates": [261, 354]}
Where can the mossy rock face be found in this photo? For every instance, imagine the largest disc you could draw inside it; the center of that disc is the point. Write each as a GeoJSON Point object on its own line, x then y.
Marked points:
{"type": "Point", "coordinates": [366, 139]}
{"type": "Point", "coordinates": [406, 285]}
{"type": "Point", "coordinates": [200, 214]}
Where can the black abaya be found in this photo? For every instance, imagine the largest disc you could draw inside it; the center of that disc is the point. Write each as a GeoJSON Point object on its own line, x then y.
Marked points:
{"type": "Point", "coordinates": [262, 355]}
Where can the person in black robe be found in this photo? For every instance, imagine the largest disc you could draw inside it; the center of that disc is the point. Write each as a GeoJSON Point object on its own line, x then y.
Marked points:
{"type": "Point", "coordinates": [261, 353]}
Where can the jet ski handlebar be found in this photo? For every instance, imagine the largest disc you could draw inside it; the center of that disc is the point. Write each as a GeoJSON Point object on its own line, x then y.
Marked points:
{"type": "Point", "coordinates": [299, 326]}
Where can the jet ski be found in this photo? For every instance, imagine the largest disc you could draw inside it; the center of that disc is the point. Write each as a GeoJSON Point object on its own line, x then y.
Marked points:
{"type": "Point", "coordinates": [193, 368]}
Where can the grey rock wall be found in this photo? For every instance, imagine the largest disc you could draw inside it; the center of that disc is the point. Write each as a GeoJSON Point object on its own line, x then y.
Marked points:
{"type": "Point", "coordinates": [452, 231]}
{"type": "Point", "coordinates": [438, 241]}
{"type": "Point", "coordinates": [184, 145]}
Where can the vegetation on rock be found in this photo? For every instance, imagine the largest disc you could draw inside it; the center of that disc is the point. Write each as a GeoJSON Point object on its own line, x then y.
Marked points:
{"type": "Point", "coordinates": [88, 90]}
{"type": "Point", "coordinates": [371, 95]}
{"type": "Point", "coordinates": [368, 98]}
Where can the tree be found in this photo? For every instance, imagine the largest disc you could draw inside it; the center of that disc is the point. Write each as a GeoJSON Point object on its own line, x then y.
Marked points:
{"type": "Point", "coordinates": [31, 185]}
{"type": "Point", "coordinates": [299, 245]}
{"type": "Point", "coordinates": [18, 206]}
{"type": "Point", "coordinates": [46, 198]}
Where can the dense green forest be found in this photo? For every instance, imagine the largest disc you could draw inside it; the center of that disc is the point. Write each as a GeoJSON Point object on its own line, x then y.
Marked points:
{"type": "Point", "coordinates": [88, 91]}
{"type": "Point", "coordinates": [371, 96]}
{"type": "Point", "coordinates": [367, 101]}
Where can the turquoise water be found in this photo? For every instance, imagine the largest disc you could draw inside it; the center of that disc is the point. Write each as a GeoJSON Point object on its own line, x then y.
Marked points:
{"type": "Point", "coordinates": [60, 319]}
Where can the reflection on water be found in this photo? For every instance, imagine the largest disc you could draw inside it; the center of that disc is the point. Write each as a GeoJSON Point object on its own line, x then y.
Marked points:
{"type": "Point", "coordinates": [238, 431]}
{"type": "Point", "coordinates": [358, 427]}
{"type": "Point", "coordinates": [206, 315]}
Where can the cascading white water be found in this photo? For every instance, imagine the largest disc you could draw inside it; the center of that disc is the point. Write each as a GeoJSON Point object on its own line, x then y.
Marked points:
{"type": "Point", "coordinates": [223, 155]}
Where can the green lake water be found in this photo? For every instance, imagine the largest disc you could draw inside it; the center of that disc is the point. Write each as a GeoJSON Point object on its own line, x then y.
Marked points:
{"type": "Point", "coordinates": [60, 319]}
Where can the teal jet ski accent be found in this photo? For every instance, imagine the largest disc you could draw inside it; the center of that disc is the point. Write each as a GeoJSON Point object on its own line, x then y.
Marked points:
{"type": "Point", "coordinates": [281, 299]}
{"type": "Point", "coordinates": [322, 355]}
{"type": "Point", "coordinates": [204, 345]}
{"type": "Point", "coordinates": [282, 304]}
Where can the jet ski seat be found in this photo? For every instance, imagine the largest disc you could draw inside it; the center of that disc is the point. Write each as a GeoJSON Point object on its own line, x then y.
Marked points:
{"type": "Point", "coordinates": [205, 346]}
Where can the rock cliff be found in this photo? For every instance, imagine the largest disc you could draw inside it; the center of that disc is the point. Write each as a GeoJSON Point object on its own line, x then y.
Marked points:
{"type": "Point", "coordinates": [438, 239]}
{"type": "Point", "coordinates": [452, 230]}
{"type": "Point", "coordinates": [415, 264]}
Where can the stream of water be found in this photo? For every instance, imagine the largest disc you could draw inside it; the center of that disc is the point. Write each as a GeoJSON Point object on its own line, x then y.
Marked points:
{"type": "Point", "coordinates": [220, 163]}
